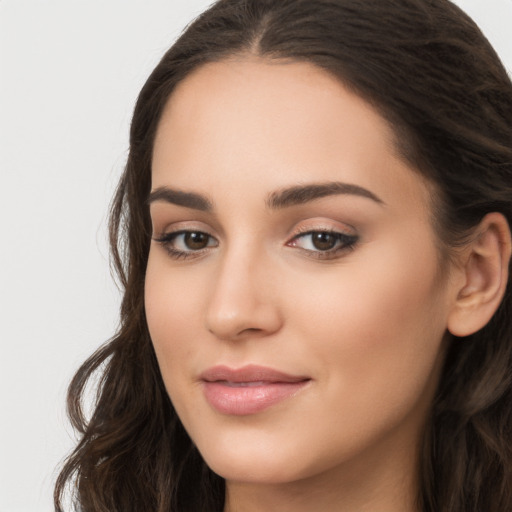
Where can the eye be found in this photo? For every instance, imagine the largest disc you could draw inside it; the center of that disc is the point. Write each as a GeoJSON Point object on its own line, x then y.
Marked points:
{"type": "Point", "coordinates": [184, 244]}
{"type": "Point", "coordinates": [324, 244]}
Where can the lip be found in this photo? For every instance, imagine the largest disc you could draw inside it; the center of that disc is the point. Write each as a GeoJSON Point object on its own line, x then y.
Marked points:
{"type": "Point", "coordinates": [250, 389]}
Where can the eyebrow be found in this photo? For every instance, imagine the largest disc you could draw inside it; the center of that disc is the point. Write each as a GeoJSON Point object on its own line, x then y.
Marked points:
{"type": "Point", "coordinates": [284, 198]}
{"type": "Point", "coordinates": [180, 198]}
{"type": "Point", "coordinates": [304, 193]}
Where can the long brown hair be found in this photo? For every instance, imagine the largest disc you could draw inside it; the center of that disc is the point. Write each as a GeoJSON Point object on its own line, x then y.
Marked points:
{"type": "Point", "coordinates": [431, 73]}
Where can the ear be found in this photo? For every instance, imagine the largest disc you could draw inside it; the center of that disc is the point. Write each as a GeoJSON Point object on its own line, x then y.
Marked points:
{"type": "Point", "coordinates": [485, 274]}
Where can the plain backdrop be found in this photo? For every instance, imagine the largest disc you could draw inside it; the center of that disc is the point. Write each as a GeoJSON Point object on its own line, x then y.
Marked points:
{"type": "Point", "coordinates": [70, 71]}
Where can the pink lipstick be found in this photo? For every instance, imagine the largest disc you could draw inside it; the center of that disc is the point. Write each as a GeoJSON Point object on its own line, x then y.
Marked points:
{"type": "Point", "coordinates": [248, 390]}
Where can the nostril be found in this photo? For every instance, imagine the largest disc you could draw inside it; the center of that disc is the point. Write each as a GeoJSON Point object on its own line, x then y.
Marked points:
{"type": "Point", "coordinates": [234, 333]}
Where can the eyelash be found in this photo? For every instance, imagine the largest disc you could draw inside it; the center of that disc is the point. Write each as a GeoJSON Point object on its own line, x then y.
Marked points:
{"type": "Point", "coordinates": [344, 243]}
{"type": "Point", "coordinates": [167, 239]}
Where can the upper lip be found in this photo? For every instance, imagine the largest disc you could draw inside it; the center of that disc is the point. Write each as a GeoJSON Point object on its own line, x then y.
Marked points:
{"type": "Point", "coordinates": [249, 373]}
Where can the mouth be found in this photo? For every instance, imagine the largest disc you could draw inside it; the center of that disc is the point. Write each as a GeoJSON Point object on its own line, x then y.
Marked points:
{"type": "Point", "coordinates": [250, 389]}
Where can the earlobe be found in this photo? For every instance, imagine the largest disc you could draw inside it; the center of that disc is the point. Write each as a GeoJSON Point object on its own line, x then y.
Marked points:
{"type": "Point", "coordinates": [485, 268]}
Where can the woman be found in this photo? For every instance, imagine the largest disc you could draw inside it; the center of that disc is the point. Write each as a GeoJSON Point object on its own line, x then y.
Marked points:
{"type": "Point", "coordinates": [312, 231]}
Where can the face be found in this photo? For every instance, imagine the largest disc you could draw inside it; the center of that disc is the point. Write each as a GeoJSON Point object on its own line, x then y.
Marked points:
{"type": "Point", "coordinates": [293, 292]}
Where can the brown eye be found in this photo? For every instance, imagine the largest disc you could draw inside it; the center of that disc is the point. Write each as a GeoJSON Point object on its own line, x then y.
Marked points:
{"type": "Point", "coordinates": [325, 244]}
{"type": "Point", "coordinates": [186, 244]}
{"type": "Point", "coordinates": [323, 241]}
{"type": "Point", "coordinates": [195, 240]}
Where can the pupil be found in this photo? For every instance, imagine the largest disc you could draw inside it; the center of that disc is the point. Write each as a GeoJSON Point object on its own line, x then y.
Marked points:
{"type": "Point", "coordinates": [196, 240]}
{"type": "Point", "coordinates": [324, 241]}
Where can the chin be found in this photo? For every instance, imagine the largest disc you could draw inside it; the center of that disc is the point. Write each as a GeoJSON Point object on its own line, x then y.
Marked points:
{"type": "Point", "coordinates": [263, 459]}
{"type": "Point", "coordinates": [263, 471]}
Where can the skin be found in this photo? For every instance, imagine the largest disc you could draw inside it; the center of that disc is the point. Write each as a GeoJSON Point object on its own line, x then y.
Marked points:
{"type": "Point", "coordinates": [367, 324]}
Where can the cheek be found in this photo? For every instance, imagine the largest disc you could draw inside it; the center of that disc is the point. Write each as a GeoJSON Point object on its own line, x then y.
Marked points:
{"type": "Point", "coordinates": [172, 307]}
{"type": "Point", "coordinates": [376, 328]}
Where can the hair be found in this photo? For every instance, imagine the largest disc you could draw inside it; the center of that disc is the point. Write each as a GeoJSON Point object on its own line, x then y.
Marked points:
{"type": "Point", "coordinates": [430, 72]}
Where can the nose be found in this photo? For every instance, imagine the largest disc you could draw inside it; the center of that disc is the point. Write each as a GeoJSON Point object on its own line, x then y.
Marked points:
{"type": "Point", "coordinates": [244, 301]}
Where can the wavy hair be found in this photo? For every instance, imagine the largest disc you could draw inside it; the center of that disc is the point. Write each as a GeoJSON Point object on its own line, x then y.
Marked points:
{"type": "Point", "coordinates": [427, 68]}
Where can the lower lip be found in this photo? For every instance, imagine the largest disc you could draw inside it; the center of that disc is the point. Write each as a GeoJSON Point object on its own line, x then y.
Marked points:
{"type": "Point", "coordinates": [242, 400]}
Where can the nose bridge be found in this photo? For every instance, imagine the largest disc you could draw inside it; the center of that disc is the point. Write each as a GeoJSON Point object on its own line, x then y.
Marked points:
{"type": "Point", "coordinates": [242, 301]}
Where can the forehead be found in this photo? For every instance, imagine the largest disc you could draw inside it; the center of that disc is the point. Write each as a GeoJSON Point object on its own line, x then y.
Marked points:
{"type": "Point", "coordinates": [270, 123]}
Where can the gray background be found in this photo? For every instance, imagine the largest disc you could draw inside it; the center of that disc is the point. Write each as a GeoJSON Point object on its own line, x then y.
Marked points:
{"type": "Point", "coordinates": [70, 71]}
